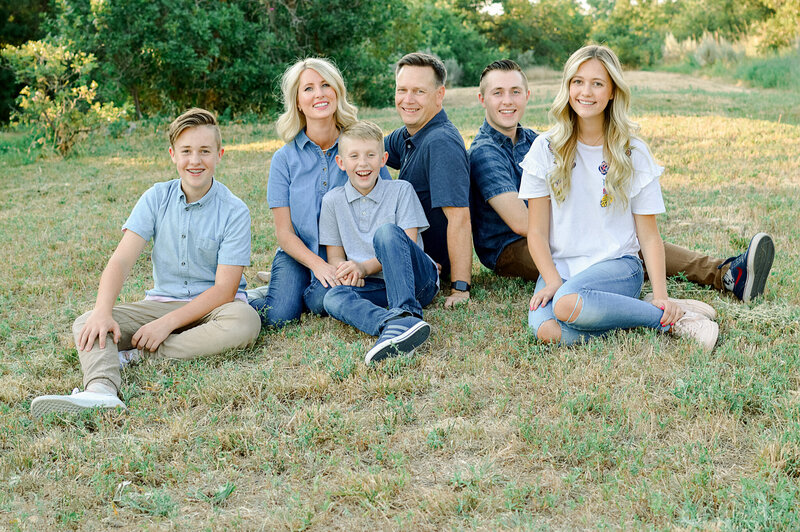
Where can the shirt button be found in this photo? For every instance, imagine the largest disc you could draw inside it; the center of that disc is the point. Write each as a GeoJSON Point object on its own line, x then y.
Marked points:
{"type": "Point", "coordinates": [324, 169]}
{"type": "Point", "coordinates": [186, 282]}
{"type": "Point", "coordinates": [183, 236]}
{"type": "Point", "coordinates": [186, 209]}
{"type": "Point", "coordinates": [183, 264]}
{"type": "Point", "coordinates": [324, 183]}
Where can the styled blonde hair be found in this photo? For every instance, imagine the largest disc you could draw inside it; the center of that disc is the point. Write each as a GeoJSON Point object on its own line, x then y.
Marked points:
{"type": "Point", "coordinates": [362, 130]}
{"type": "Point", "coordinates": [618, 129]}
{"type": "Point", "coordinates": [293, 121]}
{"type": "Point", "coordinates": [194, 117]}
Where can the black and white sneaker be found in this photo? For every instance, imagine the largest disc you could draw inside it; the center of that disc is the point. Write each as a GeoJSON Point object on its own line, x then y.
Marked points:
{"type": "Point", "coordinates": [400, 336]}
{"type": "Point", "coordinates": [748, 272]}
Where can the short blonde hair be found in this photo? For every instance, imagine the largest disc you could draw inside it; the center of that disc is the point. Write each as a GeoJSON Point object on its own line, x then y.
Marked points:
{"type": "Point", "coordinates": [194, 117]}
{"type": "Point", "coordinates": [362, 130]}
{"type": "Point", "coordinates": [293, 121]}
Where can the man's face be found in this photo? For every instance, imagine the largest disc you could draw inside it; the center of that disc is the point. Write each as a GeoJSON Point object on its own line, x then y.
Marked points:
{"type": "Point", "coordinates": [416, 96]}
{"type": "Point", "coordinates": [504, 97]}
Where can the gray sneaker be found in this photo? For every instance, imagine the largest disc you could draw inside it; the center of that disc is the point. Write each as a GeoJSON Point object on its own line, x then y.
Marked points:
{"type": "Point", "coordinates": [693, 305]}
{"type": "Point", "coordinates": [129, 357]}
{"type": "Point", "coordinates": [76, 402]}
{"type": "Point", "coordinates": [257, 293]}
{"type": "Point", "coordinates": [698, 328]}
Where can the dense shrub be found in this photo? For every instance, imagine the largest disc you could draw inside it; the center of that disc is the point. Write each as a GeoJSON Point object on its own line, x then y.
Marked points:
{"type": "Point", "coordinates": [58, 98]}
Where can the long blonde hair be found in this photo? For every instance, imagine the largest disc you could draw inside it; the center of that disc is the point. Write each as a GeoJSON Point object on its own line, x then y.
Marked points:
{"type": "Point", "coordinates": [618, 129]}
{"type": "Point", "coordinates": [293, 121]}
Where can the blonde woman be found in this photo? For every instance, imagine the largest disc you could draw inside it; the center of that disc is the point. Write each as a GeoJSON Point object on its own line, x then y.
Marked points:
{"type": "Point", "coordinates": [593, 191]}
{"type": "Point", "coordinates": [316, 109]}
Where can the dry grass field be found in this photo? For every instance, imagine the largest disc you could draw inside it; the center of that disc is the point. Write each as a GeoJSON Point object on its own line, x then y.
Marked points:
{"type": "Point", "coordinates": [482, 429]}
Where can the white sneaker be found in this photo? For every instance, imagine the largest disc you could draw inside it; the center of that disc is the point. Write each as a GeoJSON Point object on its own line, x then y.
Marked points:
{"type": "Point", "coordinates": [692, 305]}
{"type": "Point", "coordinates": [129, 357]}
{"type": "Point", "coordinates": [77, 402]}
{"type": "Point", "coordinates": [257, 293]}
{"type": "Point", "coordinates": [698, 328]}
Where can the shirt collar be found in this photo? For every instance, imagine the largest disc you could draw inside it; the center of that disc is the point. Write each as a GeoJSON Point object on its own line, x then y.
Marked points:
{"type": "Point", "coordinates": [500, 138]}
{"type": "Point", "coordinates": [301, 139]}
{"type": "Point", "coordinates": [209, 196]}
{"type": "Point", "coordinates": [376, 194]}
{"type": "Point", "coordinates": [437, 120]}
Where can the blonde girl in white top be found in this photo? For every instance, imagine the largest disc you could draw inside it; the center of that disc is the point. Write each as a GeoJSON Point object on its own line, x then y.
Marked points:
{"type": "Point", "coordinates": [594, 192]}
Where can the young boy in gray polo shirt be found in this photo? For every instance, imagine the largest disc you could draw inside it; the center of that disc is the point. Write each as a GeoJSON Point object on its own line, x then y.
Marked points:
{"type": "Point", "coordinates": [370, 228]}
{"type": "Point", "coordinates": [201, 244]}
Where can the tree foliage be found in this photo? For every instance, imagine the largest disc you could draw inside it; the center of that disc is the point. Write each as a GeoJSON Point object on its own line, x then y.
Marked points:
{"type": "Point", "coordinates": [161, 56]}
{"type": "Point", "coordinates": [634, 30]}
{"type": "Point", "coordinates": [58, 98]}
{"type": "Point", "coordinates": [552, 29]}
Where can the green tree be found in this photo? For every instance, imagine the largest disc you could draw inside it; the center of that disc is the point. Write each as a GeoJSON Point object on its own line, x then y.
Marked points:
{"type": "Point", "coordinates": [551, 29]}
{"type": "Point", "coordinates": [634, 30]}
{"type": "Point", "coordinates": [731, 19]}
{"type": "Point", "coordinates": [782, 28]}
{"type": "Point", "coordinates": [447, 31]}
{"type": "Point", "coordinates": [19, 22]}
{"type": "Point", "coordinates": [59, 100]}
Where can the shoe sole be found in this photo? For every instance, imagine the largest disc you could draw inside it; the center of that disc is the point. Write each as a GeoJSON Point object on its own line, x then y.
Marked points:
{"type": "Point", "coordinates": [42, 406]}
{"type": "Point", "coordinates": [760, 255]}
{"type": "Point", "coordinates": [403, 344]}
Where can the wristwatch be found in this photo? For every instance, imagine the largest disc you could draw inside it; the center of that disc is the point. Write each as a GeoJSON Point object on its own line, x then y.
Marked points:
{"type": "Point", "coordinates": [460, 286]}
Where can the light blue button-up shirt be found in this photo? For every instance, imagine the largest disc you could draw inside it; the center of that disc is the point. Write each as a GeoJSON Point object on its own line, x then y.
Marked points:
{"type": "Point", "coordinates": [299, 175]}
{"type": "Point", "coordinates": [189, 240]}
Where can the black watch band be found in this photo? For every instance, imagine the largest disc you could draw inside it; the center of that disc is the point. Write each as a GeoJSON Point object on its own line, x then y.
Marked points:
{"type": "Point", "coordinates": [460, 286]}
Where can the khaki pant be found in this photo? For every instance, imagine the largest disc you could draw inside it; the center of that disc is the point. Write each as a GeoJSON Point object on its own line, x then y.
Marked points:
{"type": "Point", "coordinates": [515, 261]}
{"type": "Point", "coordinates": [229, 326]}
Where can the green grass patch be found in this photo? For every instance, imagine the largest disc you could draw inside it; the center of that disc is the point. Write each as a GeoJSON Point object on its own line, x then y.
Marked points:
{"type": "Point", "coordinates": [484, 428]}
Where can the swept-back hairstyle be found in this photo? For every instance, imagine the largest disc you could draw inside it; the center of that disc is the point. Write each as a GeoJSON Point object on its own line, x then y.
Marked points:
{"type": "Point", "coordinates": [194, 117]}
{"type": "Point", "coordinates": [363, 130]}
{"type": "Point", "coordinates": [504, 65]}
{"type": "Point", "coordinates": [618, 129]}
{"type": "Point", "coordinates": [292, 121]}
{"type": "Point", "coordinates": [420, 59]}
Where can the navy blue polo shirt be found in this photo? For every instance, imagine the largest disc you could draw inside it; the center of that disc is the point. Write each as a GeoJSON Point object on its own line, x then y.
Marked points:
{"type": "Point", "coordinates": [494, 169]}
{"type": "Point", "coordinates": [434, 161]}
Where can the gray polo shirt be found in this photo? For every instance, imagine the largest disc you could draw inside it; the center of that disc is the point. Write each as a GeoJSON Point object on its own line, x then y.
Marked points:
{"type": "Point", "coordinates": [350, 220]}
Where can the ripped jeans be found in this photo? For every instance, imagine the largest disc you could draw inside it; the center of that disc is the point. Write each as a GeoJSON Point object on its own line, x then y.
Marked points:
{"type": "Point", "coordinates": [609, 291]}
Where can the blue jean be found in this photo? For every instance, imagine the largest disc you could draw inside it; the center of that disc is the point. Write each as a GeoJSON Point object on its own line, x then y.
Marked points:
{"type": "Point", "coordinates": [609, 291]}
{"type": "Point", "coordinates": [409, 283]}
{"type": "Point", "coordinates": [284, 300]}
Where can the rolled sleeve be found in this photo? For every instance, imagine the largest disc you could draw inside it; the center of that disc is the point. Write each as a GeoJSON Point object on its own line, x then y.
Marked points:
{"type": "Point", "coordinates": [142, 219]}
{"type": "Point", "coordinates": [279, 181]}
{"type": "Point", "coordinates": [234, 250]}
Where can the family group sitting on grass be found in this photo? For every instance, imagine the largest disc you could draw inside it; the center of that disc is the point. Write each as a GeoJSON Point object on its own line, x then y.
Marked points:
{"type": "Point", "coordinates": [572, 209]}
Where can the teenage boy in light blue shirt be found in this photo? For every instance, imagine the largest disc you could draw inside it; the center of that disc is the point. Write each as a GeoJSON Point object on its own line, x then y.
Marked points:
{"type": "Point", "coordinates": [370, 228]}
{"type": "Point", "coordinates": [201, 244]}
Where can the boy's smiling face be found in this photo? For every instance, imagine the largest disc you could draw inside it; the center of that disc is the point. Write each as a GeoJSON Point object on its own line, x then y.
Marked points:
{"type": "Point", "coordinates": [196, 155]}
{"type": "Point", "coordinates": [362, 160]}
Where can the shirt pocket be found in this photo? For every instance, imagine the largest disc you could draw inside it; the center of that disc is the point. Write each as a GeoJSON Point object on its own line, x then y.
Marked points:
{"type": "Point", "coordinates": [207, 250]}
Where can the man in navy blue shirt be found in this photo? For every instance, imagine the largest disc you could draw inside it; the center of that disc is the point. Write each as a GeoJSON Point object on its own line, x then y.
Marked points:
{"type": "Point", "coordinates": [500, 218]}
{"type": "Point", "coordinates": [429, 152]}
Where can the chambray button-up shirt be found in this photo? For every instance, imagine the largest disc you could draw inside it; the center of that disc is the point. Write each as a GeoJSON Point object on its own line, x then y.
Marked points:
{"type": "Point", "coordinates": [494, 169]}
{"type": "Point", "coordinates": [191, 239]}
{"type": "Point", "coordinates": [299, 175]}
